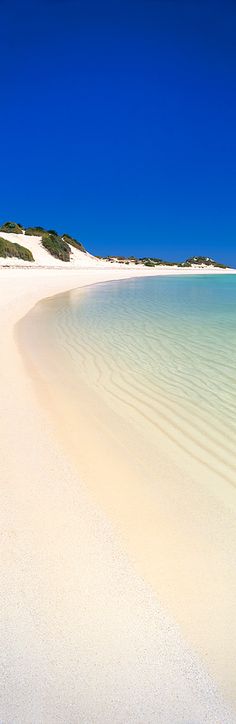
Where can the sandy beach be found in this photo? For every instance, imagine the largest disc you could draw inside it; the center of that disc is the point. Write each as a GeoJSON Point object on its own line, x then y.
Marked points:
{"type": "Point", "coordinates": [118, 362]}
{"type": "Point", "coordinates": [84, 636]}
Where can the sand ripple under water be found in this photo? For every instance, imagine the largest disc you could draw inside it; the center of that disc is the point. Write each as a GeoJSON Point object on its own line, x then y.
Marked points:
{"type": "Point", "coordinates": [141, 376]}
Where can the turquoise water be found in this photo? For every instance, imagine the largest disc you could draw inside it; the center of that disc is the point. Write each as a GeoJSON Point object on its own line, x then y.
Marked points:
{"type": "Point", "coordinates": [162, 351]}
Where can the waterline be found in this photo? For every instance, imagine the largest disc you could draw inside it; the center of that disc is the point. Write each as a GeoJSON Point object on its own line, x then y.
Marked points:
{"type": "Point", "coordinates": [141, 376]}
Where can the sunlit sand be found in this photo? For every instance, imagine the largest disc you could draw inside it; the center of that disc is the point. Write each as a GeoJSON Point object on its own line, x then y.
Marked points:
{"type": "Point", "coordinates": [97, 623]}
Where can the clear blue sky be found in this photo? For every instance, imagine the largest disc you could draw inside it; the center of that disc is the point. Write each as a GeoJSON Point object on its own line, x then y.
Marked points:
{"type": "Point", "coordinates": [118, 123]}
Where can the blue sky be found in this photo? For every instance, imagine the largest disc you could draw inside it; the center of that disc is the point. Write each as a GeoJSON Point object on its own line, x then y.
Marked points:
{"type": "Point", "coordinates": [118, 123]}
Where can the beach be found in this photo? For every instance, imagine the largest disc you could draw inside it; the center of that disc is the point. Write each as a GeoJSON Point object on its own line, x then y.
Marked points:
{"type": "Point", "coordinates": [85, 635]}
{"type": "Point", "coordinates": [118, 362]}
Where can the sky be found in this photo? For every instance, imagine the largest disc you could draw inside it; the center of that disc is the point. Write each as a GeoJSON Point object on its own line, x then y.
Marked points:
{"type": "Point", "coordinates": [118, 123]}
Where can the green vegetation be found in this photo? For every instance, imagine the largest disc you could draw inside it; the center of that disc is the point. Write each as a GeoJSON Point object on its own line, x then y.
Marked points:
{"type": "Point", "coordinates": [204, 260]}
{"type": "Point", "coordinates": [170, 263]}
{"type": "Point", "coordinates": [151, 261]}
{"type": "Point", "coordinates": [56, 246]}
{"type": "Point", "coordinates": [73, 242]}
{"type": "Point", "coordinates": [60, 247]}
{"type": "Point", "coordinates": [7, 248]}
{"type": "Point", "coordinates": [11, 228]}
{"type": "Point", "coordinates": [35, 231]}
{"type": "Point", "coordinates": [156, 261]}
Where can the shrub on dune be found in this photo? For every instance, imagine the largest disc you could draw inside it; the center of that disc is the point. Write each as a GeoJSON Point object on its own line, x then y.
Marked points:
{"type": "Point", "coordinates": [56, 246]}
{"type": "Point", "coordinates": [204, 260]}
{"type": "Point", "coordinates": [35, 231]}
{"type": "Point", "coordinates": [10, 227]}
{"type": "Point", "coordinates": [73, 242]}
{"type": "Point", "coordinates": [9, 249]}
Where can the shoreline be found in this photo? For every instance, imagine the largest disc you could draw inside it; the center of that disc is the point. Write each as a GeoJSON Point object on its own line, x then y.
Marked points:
{"type": "Point", "coordinates": [25, 418]}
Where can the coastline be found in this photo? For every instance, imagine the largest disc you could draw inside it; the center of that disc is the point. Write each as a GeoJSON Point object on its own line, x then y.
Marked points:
{"type": "Point", "coordinates": [42, 528]}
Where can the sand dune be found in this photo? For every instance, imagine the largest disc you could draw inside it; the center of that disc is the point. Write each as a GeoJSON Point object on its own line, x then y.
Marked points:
{"type": "Point", "coordinates": [81, 260]}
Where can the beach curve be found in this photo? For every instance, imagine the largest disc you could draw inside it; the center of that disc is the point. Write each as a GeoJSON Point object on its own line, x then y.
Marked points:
{"type": "Point", "coordinates": [39, 539]}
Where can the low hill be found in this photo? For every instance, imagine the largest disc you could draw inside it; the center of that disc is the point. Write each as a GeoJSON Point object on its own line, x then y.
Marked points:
{"type": "Point", "coordinates": [46, 248]}
{"type": "Point", "coordinates": [193, 262]}
{"type": "Point", "coordinates": [40, 247]}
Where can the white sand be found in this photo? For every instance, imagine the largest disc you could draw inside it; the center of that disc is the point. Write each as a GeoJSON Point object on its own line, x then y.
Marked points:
{"type": "Point", "coordinates": [83, 639]}
{"type": "Point", "coordinates": [80, 260]}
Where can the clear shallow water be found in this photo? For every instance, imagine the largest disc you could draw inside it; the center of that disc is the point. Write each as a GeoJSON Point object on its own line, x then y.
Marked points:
{"type": "Point", "coordinates": [163, 352]}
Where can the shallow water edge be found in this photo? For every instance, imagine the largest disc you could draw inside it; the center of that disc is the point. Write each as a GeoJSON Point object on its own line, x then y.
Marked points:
{"type": "Point", "coordinates": [173, 512]}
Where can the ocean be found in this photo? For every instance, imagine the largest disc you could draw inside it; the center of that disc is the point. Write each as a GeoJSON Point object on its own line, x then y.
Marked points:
{"type": "Point", "coordinates": [138, 378]}
{"type": "Point", "coordinates": [161, 352]}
